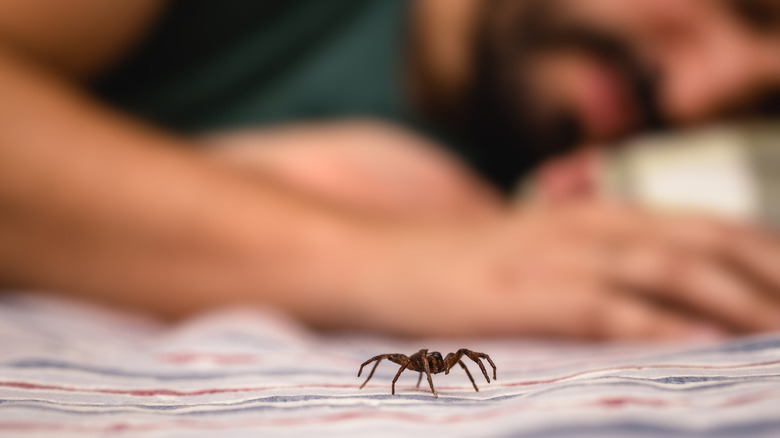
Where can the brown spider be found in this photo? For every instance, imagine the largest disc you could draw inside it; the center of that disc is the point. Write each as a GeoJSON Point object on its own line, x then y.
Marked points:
{"type": "Point", "coordinates": [430, 363]}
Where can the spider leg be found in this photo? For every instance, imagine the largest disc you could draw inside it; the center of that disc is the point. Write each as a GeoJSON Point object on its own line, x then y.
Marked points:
{"type": "Point", "coordinates": [468, 373]}
{"type": "Point", "coordinates": [428, 373]}
{"type": "Point", "coordinates": [450, 360]}
{"type": "Point", "coordinates": [371, 374]}
{"type": "Point", "coordinates": [490, 361]}
{"type": "Point", "coordinates": [454, 358]}
{"type": "Point", "coordinates": [400, 359]}
{"type": "Point", "coordinates": [481, 367]}
{"type": "Point", "coordinates": [403, 367]}
{"type": "Point", "coordinates": [375, 358]}
{"type": "Point", "coordinates": [419, 379]}
{"type": "Point", "coordinates": [474, 356]}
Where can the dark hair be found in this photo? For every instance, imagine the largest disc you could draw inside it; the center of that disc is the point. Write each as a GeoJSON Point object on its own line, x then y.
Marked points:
{"type": "Point", "coordinates": [503, 114]}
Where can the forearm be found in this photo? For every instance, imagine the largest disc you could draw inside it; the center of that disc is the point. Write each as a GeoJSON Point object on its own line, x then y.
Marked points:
{"type": "Point", "coordinates": [98, 206]}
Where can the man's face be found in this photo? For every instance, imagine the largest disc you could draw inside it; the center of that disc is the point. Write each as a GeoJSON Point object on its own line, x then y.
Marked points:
{"type": "Point", "coordinates": [553, 74]}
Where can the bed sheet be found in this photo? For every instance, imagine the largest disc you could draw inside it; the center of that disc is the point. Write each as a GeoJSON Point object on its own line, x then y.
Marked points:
{"type": "Point", "coordinates": [72, 369]}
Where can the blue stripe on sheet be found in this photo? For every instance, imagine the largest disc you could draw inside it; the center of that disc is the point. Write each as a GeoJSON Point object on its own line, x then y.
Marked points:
{"type": "Point", "coordinates": [763, 429]}
{"type": "Point", "coordinates": [68, 370]}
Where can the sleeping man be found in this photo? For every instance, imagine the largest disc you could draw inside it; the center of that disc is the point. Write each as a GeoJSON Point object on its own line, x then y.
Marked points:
{"type": "Point", "coordinates": [347, 161]}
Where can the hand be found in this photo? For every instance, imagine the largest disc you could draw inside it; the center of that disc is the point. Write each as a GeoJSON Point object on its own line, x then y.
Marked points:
{"type": "Point", "coordinates": [587, 270]}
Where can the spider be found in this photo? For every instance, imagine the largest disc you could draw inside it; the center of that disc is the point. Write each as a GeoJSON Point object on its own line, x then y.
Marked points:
{"type": "Point", "coordinates": [431, 363]}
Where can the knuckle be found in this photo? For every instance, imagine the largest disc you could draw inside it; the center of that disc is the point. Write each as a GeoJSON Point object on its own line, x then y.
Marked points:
{"type": "Point", "coordinates": [643, 325]}
{"type": "Point", "coordinates": [713, 236]}
{"type": "Point", "coordinates": [762, 315]}
{"type": "Point", "coordinates": [680, 278]}
{"type": "Point", "coordinates": [593, 318]}
{"type": "Point", "coordinates": [635, 320]}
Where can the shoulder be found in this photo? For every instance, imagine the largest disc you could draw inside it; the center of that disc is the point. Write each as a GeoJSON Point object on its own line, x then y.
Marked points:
{"type": "Point", "coordinates": [78, 38]}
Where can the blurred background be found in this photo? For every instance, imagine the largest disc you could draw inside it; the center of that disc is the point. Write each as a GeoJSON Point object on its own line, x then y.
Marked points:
{"type": "Point", "coordinates": [513, 88]}
{"type": "Point", "coordinates": [182, 155]}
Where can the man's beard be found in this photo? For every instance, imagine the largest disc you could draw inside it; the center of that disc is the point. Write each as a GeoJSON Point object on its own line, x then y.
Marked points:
{"type": "Point", "coordinates": [503, 116]}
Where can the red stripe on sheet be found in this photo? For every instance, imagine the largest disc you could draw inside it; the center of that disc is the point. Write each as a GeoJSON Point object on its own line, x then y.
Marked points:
{"type": "Point", "coordinates": [176, 393]}
{"type": "Point", "coordinates": [221, 359]}
{"type": "Point", "coordinates": [640, 368]}
{"type": "Point", "coordinates": [231, 422]}
{"type": "Point", "coordinates": [157, 391]}
{"type": "Point", "coordinates": [171, 392]}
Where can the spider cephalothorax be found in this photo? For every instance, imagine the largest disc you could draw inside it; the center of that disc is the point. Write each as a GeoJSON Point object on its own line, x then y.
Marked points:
{"type": "Point", "coordinates": [431, 363]}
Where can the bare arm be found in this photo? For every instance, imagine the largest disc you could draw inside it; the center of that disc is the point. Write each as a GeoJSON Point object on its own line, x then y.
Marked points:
{"type": "Point", "coordinates": [102, 207]}
{"type": "Point", "coordinates": [95, 205]}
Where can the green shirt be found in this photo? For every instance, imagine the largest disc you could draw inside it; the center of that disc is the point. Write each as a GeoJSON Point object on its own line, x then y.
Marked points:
{"type": "Point", "coordinates": [220, 64]}
{"type": "Point", "coordinates": [214, 64]}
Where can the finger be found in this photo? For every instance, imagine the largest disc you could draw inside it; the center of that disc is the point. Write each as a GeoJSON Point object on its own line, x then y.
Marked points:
{"type": "Point", "coordinates": [627, 317]}
{"type": "Point", "coordinates": [754, 251]}
{"type": "Point", "coordinates": [596, 218]}
{"type": "Point", "coordinates": [590, 310]}
{"type": "Point", "coordinates": [619, 221]}
{"type": "Point", "coordinates": [570, 308]}
{"type": "Point", "coordinates": [759, 254]}
{"type": "Point", "coordinates": [698, 283]}
{"type": "Point", "coordinates": [689, 232]}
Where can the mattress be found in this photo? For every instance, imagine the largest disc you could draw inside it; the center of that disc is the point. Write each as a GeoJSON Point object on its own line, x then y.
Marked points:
{"type": "Point", "coordinates": [74, 369]}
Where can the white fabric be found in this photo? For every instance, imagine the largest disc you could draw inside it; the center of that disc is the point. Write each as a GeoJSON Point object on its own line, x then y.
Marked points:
{"type": "Point", "coordinates": [69, 369]}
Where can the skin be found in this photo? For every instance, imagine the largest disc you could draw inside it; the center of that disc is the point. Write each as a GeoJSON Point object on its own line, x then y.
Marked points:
{"type": "Point", "coordinates": [96, 205]}
{"type": "Point", "coordinates": [683, 39]}
{"type": "Point", "coordinates": [678, 41]}
{"type": "Point", "coordinates": [390, 163]}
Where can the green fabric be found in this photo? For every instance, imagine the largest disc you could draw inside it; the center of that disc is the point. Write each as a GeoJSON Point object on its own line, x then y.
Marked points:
{"type": "Point", "coordinates": [214, 64]}
{"type": "Point", "coordinates": [218, 64]}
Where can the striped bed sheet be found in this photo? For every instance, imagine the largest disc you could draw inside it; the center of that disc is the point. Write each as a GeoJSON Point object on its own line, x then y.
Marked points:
{"type": "Point", "coordinates": [73, 369]}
